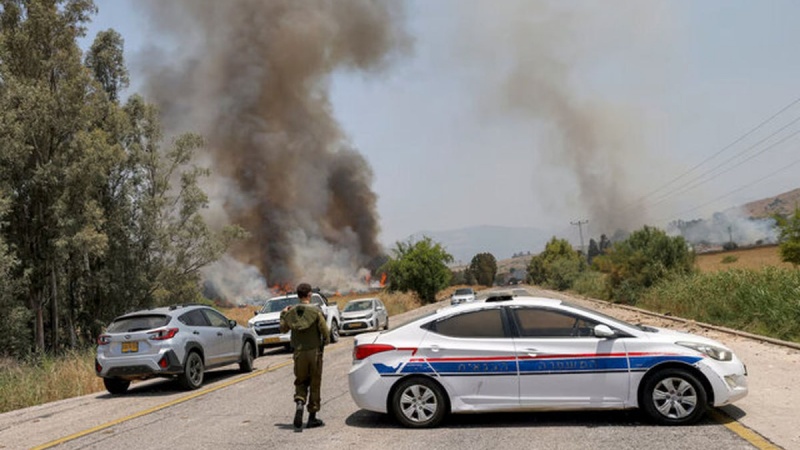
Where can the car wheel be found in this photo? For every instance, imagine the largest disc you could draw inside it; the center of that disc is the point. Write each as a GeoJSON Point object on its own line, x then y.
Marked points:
{"type": "Point", "coordinates": [246, 363]}
{"type": "Point", "coordinates": [262, 351]}
{"type": "Point", "coordinates": [419, 403]}
{"type": "Point", "coordinates": [116, 386]}
{"type": "Point", "coordinates": [674, 397]}
{"type": "Point", "coordinates": [386, 326]}
{"type": "Point", "coordinates": [192, 376]}
{"type": "Point", "coordinates": [334, 332]}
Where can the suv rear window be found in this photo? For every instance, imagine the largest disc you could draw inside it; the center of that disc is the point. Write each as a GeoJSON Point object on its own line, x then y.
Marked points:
{"type": "Point", "coordinates": [137, 323]}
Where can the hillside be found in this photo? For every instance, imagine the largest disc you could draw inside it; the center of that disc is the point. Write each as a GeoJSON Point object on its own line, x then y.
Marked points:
{"type": "Point", "coordinates": [782, 204]}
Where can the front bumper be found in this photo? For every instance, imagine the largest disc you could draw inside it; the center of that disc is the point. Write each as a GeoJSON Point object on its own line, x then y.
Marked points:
{"type": "Point", "coordinates": [273, 340]}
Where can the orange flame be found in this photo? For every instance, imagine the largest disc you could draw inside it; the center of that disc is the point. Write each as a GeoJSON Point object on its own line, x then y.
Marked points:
{"type": "Point", "coordinates": [383, 279]}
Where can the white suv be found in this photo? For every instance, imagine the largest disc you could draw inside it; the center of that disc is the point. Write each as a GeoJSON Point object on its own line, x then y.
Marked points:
{"type": "Point", "coordinates": [463, 295]}
{"type": "Point", "coordinates": [175, 341]}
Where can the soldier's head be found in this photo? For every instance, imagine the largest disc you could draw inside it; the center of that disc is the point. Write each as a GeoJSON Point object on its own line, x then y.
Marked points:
{"type": "Point", "coordinates": [304, 292]}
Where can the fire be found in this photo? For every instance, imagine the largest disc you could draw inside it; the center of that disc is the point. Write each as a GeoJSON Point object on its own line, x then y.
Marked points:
{"type": "Point", "coordinates": [383, 279]}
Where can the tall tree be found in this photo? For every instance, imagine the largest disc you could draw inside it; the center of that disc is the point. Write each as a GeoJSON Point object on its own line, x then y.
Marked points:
{"type": "Point", "coordinates": [790, 236]}
{"type": "Point", "coordinates": [483, 268]}
{"type": "Point", "coordinates": [420, 267]}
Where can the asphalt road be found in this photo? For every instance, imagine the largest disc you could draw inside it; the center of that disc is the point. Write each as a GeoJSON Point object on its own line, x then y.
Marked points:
{"type": "Point", "coordinates": [233, 410]}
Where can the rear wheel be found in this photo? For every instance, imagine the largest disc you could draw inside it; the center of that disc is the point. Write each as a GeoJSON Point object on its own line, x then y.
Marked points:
{"type": "Point", "coordinates": [419, 403]}
{"type": "Point", "coordinates": [334, 332]}
{"type": "Point", "coordinates": [386, 327]}
{"type": "Point", "coordinates": [674, 397]}
{"type": "Point", "coordinates": [116, 386]}
{"type": "Point", "coordinates": [246, 363]}
{"type": "Point", "coordinates": [192, 376]}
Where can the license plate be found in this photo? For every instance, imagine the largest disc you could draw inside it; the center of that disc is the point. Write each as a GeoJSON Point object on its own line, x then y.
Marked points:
{"type": "Point", "coordinates": [271, 340]}
{"type": "Point", "coordinates": [350, 326]}
{"type": "Point", "coordinates": [130, 347]}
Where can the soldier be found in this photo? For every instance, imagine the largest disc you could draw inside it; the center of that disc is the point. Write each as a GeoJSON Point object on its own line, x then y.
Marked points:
{"type": "Point", "coordinates": [310, 335]}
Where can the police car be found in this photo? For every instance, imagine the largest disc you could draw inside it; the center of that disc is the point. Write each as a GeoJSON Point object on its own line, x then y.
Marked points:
{"type": "Point", "coordinates": [525, 353]}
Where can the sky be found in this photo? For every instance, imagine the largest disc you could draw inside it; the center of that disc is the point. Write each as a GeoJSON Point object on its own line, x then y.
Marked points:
{"type": "Point", "coordinates": [538, 114]}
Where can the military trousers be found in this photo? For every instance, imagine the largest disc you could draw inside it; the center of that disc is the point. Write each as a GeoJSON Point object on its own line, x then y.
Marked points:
{"type": "Point", "coordinates": [308, 377]}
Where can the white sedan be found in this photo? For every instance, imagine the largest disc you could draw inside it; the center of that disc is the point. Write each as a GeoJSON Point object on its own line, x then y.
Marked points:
{"type": "Point", "coordinates": [524, 353]}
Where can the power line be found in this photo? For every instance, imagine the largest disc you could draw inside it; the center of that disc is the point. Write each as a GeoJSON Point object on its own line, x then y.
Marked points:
{"type": "Point", "coordinates": [741, 138]}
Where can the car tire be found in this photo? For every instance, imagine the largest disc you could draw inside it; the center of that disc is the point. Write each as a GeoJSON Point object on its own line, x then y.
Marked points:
{"type": "Point", "coordinates": [386, 326]}
{"type": "Point", "coordinates": [334, 332]}
{"type": "Point", "coordinates": [116, 386]}
{"type": "Point", "coordinates": [246, 363]}
{"type": "Point", "coordinates": [262, 351]}
{"type": "Point", "coordinates": [419, 402]}
{"type": "Point", "coordinates": [192, 376]}
{"type": "Point", "coordinates": [673, 397]}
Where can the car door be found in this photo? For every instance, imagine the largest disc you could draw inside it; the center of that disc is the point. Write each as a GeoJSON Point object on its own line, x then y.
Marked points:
{"type": "Point", "coordinates": [202, 332]}
{"type": "Point", "coordinates": [224, 343]}
{"type": "Point", "coordinates": [562, 364]}
{"type": "Point", "coordinates": [474, 357]}
{"type": "Point", "coordinates": [383, 315]}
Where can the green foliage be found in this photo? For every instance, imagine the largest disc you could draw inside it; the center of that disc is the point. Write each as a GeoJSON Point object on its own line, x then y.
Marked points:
{"type": "Point", "coordinates": [638, 262]}
{"type": "Point", "coordinates": [483, 268]}
{"type": "Point", "coordinates": [790, 237]}
{"type": "Point", "coordinates": [420, 267]}
{"type": "Point", "coordinates": [96, 217]}
{"type": "Point", "coordinates": [763, 302]}
{"type": "Point", "coordinates": [557, 267]}
{"type": "Point", "coordinates": [591, 284]}
{"type": "Point", "coordinates": [728, 259]}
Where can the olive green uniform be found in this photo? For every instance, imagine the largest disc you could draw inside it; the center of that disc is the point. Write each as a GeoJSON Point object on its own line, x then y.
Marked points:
{"type": "Point", "coordinates": [309, 336]}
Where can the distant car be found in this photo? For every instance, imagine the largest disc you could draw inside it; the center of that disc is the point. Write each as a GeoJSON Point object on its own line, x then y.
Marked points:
{"type": "Point", "coordinates": [266, 321]}
{"type": "Point", "coordinates": [462, 295]}
{"type": "Point", "coordinates": [175, 341]}
{"type": "Point", "coordinates": [364, 314]}
{"type": "Point", "coordinates": [524, 353]}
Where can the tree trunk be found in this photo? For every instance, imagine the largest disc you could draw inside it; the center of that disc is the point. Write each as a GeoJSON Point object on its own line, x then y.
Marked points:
{"type": "Point", "coordinates": [54, 309]}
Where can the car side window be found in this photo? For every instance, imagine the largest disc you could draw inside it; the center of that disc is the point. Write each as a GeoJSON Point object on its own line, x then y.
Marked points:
{"type": "Point", "coordinates": [194, 318]}
{"type": "Point", "coordinates": [547, 323]}
{"type": "Point", "coordinates": [487, 323]}
{"type": "Point", "coordinates": [216, 319]}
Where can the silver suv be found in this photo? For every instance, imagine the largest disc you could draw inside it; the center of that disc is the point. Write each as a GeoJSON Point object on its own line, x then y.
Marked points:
{"type": "Point", "coordinates": [175, 341]}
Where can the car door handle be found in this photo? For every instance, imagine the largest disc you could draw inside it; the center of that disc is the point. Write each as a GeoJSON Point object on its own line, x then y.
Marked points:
{"type": "Point", "coordinates": [195, 332]}
{"type": "Point", "coordinates": [532, 351]}
{"type": "Point", "coordinates": [434, 348]}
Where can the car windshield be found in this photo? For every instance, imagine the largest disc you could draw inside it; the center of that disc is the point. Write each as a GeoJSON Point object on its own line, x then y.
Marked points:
{"type": "Point", "coordinates": [137, 323]}
{"type": "Point", "coordinates": [463, 291]}
{"type": "Point", "coordinates": [361, 305]}
{"type": "Point", "coordinates": [277, 304]}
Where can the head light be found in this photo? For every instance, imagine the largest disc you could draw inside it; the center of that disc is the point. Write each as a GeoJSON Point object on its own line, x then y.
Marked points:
{"type": "Point", "coordinates": [712, 351]}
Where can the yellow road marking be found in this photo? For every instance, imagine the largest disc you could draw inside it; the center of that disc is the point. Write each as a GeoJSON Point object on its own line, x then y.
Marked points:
{"type": "Point", "coordinates": [758, 441]}
{"type": "Point", "coordinates": [160, 407]}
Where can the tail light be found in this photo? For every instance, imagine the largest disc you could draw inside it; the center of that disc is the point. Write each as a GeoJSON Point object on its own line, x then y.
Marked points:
{"type": "Point", "coordinates": [103, 339]}
{"type": "Point", "coordinates": [163, 363]}
{"type": "Point", "coordinates": [163, 334]}
{"type": "Point", "coordinates": [97, 367]}
{"type": "Point", "coordinates": [367, 350]}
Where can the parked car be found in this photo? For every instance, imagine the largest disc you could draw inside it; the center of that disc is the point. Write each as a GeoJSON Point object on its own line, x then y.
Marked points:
{"type": "Point", "coordinates": [266, 322]}
{"type": "Point", "coordinates": [176, 341]}
{"type": "Point", "coordinates": [525, 353]}
{"type": "Point", "coordinates": [364, 314]}
{"type": "Point", "coordinates": [462, 295]}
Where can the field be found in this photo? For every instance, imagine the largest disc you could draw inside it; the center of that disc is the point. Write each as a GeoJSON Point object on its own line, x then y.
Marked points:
{"type": "Point", "coordinates": [750, 258]}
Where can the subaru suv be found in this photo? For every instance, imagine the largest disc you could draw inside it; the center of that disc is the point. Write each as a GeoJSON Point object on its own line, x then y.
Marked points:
{"type": "Point", "coordinates": [463, 295]}
{"type": "Point", "coordinates": [176, 342]}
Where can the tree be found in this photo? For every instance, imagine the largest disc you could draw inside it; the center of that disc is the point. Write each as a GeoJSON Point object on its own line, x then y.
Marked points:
{"type": "Point", "coordinates": [789, 238]}
{"type": "Point", "coordinates": [557, 266]}
{"type": "Point", "coordinates": [594, 250]}
{"type": "Point", "coordinates": [483, 268]}
{"type": "Point", "coordinates": [645, 257]}
{"type": "Point", "coordinates": [420, 267]}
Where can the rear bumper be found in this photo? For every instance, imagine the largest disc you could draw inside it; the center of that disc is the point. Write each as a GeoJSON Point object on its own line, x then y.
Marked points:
{"type": "Point", "coordinates": [138, 368]}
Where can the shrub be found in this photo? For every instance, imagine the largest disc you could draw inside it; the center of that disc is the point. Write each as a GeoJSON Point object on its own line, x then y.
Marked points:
{"type": "Point", "coordinates": [591, 284]}
{"type": "Point", "coordinates": [729, 259]}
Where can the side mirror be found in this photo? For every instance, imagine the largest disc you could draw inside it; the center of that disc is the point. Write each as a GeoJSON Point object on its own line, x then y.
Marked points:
{"type": "Point", "coordinates": [255, 313]}
{"type": "Point", "coordinates": [604, 331]}
{"type": "Point", "coordinates": [232, 323]}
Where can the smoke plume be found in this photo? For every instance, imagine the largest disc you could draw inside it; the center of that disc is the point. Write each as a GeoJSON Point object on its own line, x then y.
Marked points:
{"type": "Point", "coordinates": [253, 78]}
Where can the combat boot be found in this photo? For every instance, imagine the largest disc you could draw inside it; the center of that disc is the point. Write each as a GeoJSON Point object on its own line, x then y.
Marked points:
{"type": "Point", "coordinates": [298, 416]}
{"type": "Point", "coordinates": [313, 422]}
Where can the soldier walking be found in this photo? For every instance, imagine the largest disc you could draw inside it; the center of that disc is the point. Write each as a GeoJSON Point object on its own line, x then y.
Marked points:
{"type": "Point", "coordinates": [310, 335]}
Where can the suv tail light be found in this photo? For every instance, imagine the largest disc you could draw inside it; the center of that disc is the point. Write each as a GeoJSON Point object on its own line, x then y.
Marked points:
{"type": "Point", "coordinates": [103, 339]}
{"type": "Point", "coordinates": [367, 350]}
{"type": "Point", "coordinates": [163, 334]}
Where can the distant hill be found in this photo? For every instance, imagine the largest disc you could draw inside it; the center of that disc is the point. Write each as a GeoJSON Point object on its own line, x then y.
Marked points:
{"type": "Point", "coordinates": [502, 242]}
{"type": "Point", "coordinates": [782, 204]}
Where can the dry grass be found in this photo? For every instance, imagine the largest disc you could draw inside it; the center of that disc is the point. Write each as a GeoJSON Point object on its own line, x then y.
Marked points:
{"type": "Point", "coordinates": [751, 258]}
{"type": "Point", "coordinates": [48, 380]}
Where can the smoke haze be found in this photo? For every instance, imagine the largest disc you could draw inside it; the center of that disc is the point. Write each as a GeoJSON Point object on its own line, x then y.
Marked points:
{"type": "Point", "coordinates": [252, 77]}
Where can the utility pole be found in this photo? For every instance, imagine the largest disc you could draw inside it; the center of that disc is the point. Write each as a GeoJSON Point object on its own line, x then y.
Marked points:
{"type": "Point", "coordinates": [580, 224]}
